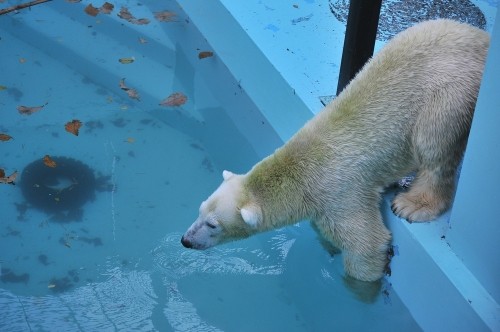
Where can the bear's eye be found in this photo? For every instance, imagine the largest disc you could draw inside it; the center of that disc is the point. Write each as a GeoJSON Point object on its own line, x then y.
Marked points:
{"type": "Point", "coordinates": [209, 224]}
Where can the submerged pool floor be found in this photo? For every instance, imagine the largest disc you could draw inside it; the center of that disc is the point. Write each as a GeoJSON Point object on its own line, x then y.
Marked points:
{"type": "Point", "coordinates": [117, 263]}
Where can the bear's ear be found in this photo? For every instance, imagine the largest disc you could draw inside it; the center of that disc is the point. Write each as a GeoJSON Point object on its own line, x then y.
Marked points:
{"type": "Point", "coordinates": [226, 175]}
{"type": "Point", "coordinates": [252, 215]}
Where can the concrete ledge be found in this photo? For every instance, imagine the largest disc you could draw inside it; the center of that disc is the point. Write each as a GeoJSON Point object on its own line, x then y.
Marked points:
{"type": "Point", "coordinates": [438, 289]}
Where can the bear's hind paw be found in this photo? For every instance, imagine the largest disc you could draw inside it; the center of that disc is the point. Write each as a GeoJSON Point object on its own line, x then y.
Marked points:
{"type": "Point", "coordinates": [416, 208]}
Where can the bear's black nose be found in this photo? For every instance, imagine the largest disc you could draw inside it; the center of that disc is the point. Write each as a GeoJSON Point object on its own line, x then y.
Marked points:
{"type": "Point", "coordinates": [186, 243]}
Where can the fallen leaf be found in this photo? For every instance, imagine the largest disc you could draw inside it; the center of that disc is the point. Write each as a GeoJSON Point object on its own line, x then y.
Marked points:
{"type": "Point", "coordinates": [106, 8]}
{"type": "Point", "coordinates": [130, 140]}
{"type": "Point", "coordinates": [165, 16]}
{"type": "Point", "coordinates": [132, 93]}
{"type": "Point", "coordinates": [49, 162]}
{"type": "Point", "coordinates": [122, 85]}
{"type": "Point", "coordinates": [142, 40]}
{"type": "Point", "coordinates": [175, 99]}
{"type": "Point", "coordinates": [3, 87]}
{"type": "Point", "coordinates": [205, 54]}
{"type": "Point", "coordinates": [73, 127]}
{"type": "Point", "coordinates": [140, 21]}
{"type": "Point", "coordinates": [126, 15]}
{"type": "Point", "coordinates": [26, 110]}
{"type": "Point", "coordinates": [126, 60]}
{"type": "Point", "coordinates": [5, 137]}
{"type": "Point", "coordinates": [7, 179]}
{"type": "Point", "coordinates": [22, 60]}
{"type": "Point", "coordinates": [91, 10]}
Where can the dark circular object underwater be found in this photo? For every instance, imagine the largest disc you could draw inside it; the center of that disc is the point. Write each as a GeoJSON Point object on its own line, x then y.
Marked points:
{"type": "Point", "coordinates": [397, 15]}
{"type": "Point", "coordinates": [53, 189]}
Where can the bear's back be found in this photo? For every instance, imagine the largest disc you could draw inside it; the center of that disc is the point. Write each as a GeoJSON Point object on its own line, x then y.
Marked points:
{"type": "Point", "coordinates": [432, 55]}
{"type": "Point", "coordinates": [369, 126]}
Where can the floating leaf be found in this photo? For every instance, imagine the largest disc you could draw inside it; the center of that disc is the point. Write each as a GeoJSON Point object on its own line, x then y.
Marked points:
{"type": "Point", "coordinates": [5, 137]}
{"type": "Point", "coordinates": [130, 140]}
{"type": "Point", "coordinates": [126, 60]}
{"type": "Point", "coordinates": [49, 162]}
{"type": "Point", "coordinates": [165, 16]}
{"type": "Point", "coordinates": [3, 87]}
{"type": "Point", "coordinates": [126, 15]}
{"type": "Point", "coordinates": [106, 8]}
{"type": "Point", "coordinates": [22, 60]}
{"type": "Point", "coordinates": [205, 54]}
{"type": "Point", "coordinates": [142, 40]}
{"type": "Point", "coordinates": [91, 10]}
{"type": "Point", "coordinates": [122, 85]}
{"type": "Point", "coordinates": [7, 179]}
{"type": "Point", "coordinates": [141, 21]}
{"type": "Point", "coordinates": [73, 127]}
{"type": "Point", "coordinates": [132, 93]}
{"type": "Point", "coordinates": [27, 110]}
{"type": "Point", "coordinates": [175, 99]}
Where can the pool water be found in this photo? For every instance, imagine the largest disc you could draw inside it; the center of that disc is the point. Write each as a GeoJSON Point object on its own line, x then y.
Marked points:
{"type": "Point", "coordinates": [116, 263]}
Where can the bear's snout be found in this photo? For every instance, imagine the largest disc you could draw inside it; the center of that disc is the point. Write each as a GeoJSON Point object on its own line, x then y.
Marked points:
{"type": "Point", "coordinates": [186, 243]}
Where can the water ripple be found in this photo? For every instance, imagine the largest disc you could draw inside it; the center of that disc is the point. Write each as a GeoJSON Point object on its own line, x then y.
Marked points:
{"type": "Point", "coordinates": [123, 302]}
{"type": "Point", "coordinates": [176, 262]}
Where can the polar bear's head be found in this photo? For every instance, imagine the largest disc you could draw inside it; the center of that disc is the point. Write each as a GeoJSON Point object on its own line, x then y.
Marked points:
{"type": "Point", "coordinates": [228, 214]}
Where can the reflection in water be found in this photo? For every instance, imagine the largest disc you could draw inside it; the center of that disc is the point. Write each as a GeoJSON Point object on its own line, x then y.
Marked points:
{"type": "Point", "coordinates": [176, 264]}
{"type": "Point", "coordinates": [125, 299]}
{"type": "Point", "coordinates": [182, 315]}
{"type": "Point", "coordinates": [123, 302]}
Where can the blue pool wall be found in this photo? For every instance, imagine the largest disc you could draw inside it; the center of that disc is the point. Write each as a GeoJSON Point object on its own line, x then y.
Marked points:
{"type": "Point", "coordinates": [255, 74]}
{"type": "Point", "coordinates": [475, 221]}
{"type": "Point", "coordinates": [445, 272]}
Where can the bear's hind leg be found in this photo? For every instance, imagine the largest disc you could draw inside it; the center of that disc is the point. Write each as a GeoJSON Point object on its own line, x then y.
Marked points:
{"type": "Point", "coordinates": [439, 139]}
{"type": "Point", "coordinates": [429, 195]}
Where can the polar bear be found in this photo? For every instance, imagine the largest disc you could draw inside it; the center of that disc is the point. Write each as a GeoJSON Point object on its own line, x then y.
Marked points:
{"type": "Point", "coordinates": [408, 110]}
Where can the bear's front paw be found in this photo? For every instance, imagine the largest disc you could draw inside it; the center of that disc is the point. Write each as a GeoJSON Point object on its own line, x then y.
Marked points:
{"type": "Point", "coordinates": [416, 208]}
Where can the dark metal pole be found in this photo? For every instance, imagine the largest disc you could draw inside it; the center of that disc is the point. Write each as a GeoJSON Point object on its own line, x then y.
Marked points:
{"type": "Point", "coordinates": [359, 42]}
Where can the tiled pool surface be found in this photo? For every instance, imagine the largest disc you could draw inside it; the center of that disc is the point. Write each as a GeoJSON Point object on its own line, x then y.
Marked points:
{"type": "Point", "coordinates": [117, 263]}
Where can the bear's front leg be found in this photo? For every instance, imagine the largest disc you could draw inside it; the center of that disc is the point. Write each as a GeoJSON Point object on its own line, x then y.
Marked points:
{"type": "Point", "coordinates": [365, 266]}
{"type": "Point", "coordinates": [364, 241]}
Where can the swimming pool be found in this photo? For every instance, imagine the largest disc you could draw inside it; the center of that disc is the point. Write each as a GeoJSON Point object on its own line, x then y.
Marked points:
{"type": "Point", "coordinates": [116, 262]}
